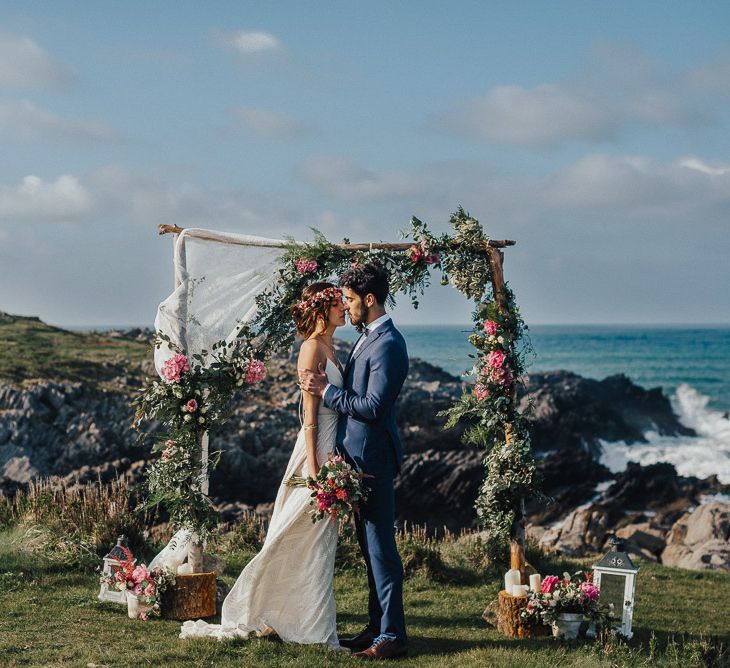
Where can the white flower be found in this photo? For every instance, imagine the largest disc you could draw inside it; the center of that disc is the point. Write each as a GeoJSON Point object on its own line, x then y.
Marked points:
{"type": "Point", "coordinates": [500, 339]}
{"type": "Point", "coordinates": [239, 382]}
{"type": "Point", "coordinates": [204, 410]}
{"type": "Point", "coordinates": [183, 409]}
{"type": "Point", "coordinates": [201, 420]}
{"type": "Point", "coordinates": [188, 417]}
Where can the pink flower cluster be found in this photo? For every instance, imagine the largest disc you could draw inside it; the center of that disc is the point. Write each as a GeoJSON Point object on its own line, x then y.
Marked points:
{"type": "Point", "coordinates": [175, 367]}
{"type": "Point", "coordinates": [590, 590]}
{"type": "Point", "coordinates": [191, 406]}
{"type": "Point", "coordinates": [256, 371]}
{"type": "Point", "coordinates": [496, 370]}
{"type": "Point", "coordinates": [306, 266]}
{"type": "Point", "coordinates": [170, 450]}
{"type": "Point", "coordinates": [549, 583]}
{"type": "Point", "coordinates": [481, 391]}
{"type": "Point", "coordinates": [325, 500]}
{"type": "Point", "coordinates": [418, 253]}
{"type": "Point", "coordinates": [490, 327]}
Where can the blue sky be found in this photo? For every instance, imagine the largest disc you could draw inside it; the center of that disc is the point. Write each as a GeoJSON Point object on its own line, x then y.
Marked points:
{"type": "Point", "coordinates": [594, 133]}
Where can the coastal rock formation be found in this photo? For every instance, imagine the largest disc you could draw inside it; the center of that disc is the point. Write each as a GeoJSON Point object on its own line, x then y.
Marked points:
{"type": "Point", "coordinates": [81, 432]}
{"type": "Point", "coordinates": [700, 539]}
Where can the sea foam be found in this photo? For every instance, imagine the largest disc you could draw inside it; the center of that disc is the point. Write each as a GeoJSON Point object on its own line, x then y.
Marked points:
{"type": "Point", "coordinates": [703, 455]}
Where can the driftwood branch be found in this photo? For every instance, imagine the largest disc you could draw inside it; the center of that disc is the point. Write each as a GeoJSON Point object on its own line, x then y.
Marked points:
{"type": "Point", "coordinates": [517, 533]}
{"type": "Point", "coordinates": [493, 243]}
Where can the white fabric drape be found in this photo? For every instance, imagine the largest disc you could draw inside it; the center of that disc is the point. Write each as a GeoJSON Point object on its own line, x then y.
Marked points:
{"type": "Point", "coordinates": [217, 278]}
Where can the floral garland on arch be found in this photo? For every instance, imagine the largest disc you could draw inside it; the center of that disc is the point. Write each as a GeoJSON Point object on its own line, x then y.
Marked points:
{"type": "Point", "coordinates": [196, 394]}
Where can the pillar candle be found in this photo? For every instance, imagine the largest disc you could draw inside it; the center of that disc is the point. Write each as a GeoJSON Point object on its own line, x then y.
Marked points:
{"type": "Point", "coordinates": [519, 590]}
{"type": "Point", "coordinates": [535, 582]}
{"type": "Point", "coordinates": [185, 569]}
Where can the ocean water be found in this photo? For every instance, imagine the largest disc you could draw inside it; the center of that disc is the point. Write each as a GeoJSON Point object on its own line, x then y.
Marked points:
{"type": "Point", "coordinates": [691, 365]}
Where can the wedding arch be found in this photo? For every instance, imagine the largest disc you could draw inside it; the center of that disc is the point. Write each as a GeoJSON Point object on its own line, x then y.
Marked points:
{"type": "Point", "coordinates": [229, 314]}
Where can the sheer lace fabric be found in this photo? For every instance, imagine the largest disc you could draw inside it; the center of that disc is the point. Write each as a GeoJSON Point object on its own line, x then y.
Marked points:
{"type": "Point", "coordinates": [287, 588]}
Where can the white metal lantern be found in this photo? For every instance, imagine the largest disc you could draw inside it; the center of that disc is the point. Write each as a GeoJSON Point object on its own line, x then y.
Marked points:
{"type": "Point", "coordinates": [615, 576]}
{"type": "Point", "coordinates": [116, 554]}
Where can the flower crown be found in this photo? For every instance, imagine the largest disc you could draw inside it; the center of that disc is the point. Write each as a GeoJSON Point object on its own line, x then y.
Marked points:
{"type": "Point", "coordinates": [326, 295]}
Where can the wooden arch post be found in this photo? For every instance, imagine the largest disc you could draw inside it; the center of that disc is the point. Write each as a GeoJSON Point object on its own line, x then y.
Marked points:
{"type": "Point", "coordinates": [517, 533]}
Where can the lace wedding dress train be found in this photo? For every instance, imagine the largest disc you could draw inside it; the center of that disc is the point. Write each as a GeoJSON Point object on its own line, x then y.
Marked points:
{"type": "Point", "coordinates": [287, 587]}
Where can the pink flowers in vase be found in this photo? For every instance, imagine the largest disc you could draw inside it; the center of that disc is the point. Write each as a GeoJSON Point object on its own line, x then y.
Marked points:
{"type": "Point", "coordinates": [175, 367]}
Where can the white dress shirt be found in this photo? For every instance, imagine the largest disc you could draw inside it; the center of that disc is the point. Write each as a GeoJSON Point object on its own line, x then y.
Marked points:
{"type": "Point", "coordinates": [371, 327]}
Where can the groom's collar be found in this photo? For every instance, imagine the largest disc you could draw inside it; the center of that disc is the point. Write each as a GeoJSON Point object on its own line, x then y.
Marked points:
{"type": "Point", "coordinates": [377, 322]}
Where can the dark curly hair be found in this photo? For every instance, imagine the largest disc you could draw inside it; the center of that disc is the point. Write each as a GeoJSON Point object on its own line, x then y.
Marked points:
{"type": "Point", "coordinates": [370, 278]}
{"type": "Point", "coordinates": [306, 317]}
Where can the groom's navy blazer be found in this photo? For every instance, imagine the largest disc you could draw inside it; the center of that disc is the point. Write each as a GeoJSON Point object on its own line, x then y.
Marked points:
{"type": "Point", "coordinates": [374, 376]}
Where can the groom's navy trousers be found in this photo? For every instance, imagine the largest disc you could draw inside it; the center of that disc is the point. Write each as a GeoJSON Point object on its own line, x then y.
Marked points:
{"type": "Point", "coordinates": [368, 438]}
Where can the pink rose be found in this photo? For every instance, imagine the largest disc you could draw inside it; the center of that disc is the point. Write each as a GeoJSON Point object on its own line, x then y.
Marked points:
{"type": "Point", "coordinates": [481, 392]}
{"type": "Point", "coordinates": [191, 406]}
{"type": "Point", "coordinates": [549, 583]}
{"type": "Point", "coordinates": [590, 590]}
{"type": "Point", "coordinates": [144, 616]}
{"type": "Point", "coordinates": [139, 573]}
{"type": "Point", "coordinates": [149, 590]}
{"type": "Point", "coordinates": [490, 327]}
{"type": "Point", "coordinates": [416, 253]}
{"type": "Point", "coordinates": [256, 371]}
{"type": "Point", "coordinates": [306, 266]}
{"type": "Point", "coordinates": [495, 359]}
{"type": "Point", "coordinates": [175, 367]}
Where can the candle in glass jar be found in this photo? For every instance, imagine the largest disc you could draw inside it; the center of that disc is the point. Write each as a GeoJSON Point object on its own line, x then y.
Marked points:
{"type": "Point", "coordinates": [511, 577]}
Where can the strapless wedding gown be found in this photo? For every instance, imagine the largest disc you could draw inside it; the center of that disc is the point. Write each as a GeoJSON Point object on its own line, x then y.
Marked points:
{"type": "Point", "coordinates": [287, 588]}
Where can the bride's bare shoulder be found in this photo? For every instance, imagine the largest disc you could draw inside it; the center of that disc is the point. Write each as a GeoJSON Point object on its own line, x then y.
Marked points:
{"type": "Point", "coordinates": [310, 354]}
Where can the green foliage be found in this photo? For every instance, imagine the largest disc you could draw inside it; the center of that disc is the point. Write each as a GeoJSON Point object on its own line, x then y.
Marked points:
{"type": "Point", "coordinates": [492, 420]}
{"type": "Point", "coordinates": [420, 554]}
{"type": "Point", "coordinates": [74, 526]}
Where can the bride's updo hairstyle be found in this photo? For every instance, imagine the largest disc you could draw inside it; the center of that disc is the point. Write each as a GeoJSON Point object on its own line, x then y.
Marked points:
{"type": "Point", "coordinates": [314, 307]}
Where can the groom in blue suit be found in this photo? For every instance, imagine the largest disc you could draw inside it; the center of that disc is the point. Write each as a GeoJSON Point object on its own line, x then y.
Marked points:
{"type": "Point", "coordinates": [367, 437]}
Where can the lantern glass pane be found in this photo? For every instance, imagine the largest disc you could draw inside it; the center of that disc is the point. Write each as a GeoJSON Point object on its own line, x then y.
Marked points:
{"type": "Point", "coordinates": [612, 592]}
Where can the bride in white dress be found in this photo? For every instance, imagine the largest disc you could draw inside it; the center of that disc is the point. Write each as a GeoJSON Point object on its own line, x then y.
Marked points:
{"type": "Point", "coordinates": [287, 588]}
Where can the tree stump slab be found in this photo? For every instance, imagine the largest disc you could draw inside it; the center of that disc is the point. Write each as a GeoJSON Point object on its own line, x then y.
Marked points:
{"type": "Point", "coordinates": [510, 623]}
{"type": "Point", "coordinates": [191, 597]}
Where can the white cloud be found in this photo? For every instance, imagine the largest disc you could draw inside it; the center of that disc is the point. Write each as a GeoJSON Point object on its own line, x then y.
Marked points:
{"type": "Point", "coordinates": [343, 178]}
{"type": "Point", "coordinates": [34, 198]}
{"type": "Point", "coordinates": [24, 64]}
{"type": "Point", "coordinates": [704, 167]}
{"type": "Point", "coordinates": [271, 123]}
{"type": "Point", "coordinates": [617, 90]}
{"type": "Point", "coordinates": [250, 43]}
{"type": "Point", "coordinates": [21, 119]}
{"type": "Point", "coordinates": [543, 115]}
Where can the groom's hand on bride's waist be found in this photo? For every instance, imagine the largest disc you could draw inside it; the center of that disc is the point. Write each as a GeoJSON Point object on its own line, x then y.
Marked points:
{"type": "Point", "coordinates": [314, 383]}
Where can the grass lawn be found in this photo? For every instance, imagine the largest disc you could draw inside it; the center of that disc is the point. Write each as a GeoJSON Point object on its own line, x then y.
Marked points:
{"type": "Point", "coordinates": [51, 617]}
{"type": "Point", "coordinates": [33, 349]}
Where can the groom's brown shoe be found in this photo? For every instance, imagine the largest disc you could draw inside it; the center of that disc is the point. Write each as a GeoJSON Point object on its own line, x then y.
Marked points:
{"type": "Point", "coordinates": [384, 649]}
{"type": "Point", "coordinates": [361, 641]}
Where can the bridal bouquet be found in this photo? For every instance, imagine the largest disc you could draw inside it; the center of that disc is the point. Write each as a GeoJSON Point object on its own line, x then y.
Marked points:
{"type": "Point", "coordinates": [337, 491]}
{"type": "Point", "coordinates": [146, 585]}
{"type": "Point", "coordinates": [571, 594]}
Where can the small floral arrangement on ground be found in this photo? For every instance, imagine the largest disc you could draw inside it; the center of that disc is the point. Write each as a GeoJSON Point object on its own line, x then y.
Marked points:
{"type": "Point", "coordinates": [138, 580]}
{"type": "Point", "coordinates": [337, 491]}
{"type": "Point", "coordinates": [571, 594]}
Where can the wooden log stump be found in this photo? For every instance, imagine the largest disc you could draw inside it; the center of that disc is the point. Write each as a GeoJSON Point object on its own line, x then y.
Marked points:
{"type": "Point", "coordinates": [509, 621]}
{"type": "Point", "coordinates": [191, 597]}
